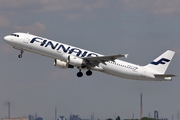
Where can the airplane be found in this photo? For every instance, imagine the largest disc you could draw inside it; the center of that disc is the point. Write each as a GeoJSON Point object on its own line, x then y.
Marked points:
{"type": "Point", "coordinates": [67, 56]}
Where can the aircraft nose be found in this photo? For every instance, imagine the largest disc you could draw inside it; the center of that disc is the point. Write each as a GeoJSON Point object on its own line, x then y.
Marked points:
{"type": "Point", "coordinates": [6, 38]}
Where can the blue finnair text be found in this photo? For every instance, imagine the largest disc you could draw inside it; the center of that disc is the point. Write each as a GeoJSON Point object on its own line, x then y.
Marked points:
{"type": "Point", "coordinates": [62, 47]}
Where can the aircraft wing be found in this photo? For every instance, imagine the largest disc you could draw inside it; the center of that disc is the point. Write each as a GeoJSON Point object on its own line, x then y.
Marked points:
{"type": "Point", "coordinates": [94, 61]}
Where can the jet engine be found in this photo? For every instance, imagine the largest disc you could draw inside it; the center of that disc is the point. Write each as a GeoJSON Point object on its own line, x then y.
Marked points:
{"type": "Point", "coordinates": [62, 64]}
{"type": "Point", "coordinates": [75, 61]}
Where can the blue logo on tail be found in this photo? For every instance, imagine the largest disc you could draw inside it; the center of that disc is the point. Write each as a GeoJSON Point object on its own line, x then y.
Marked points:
{"type": "Point", "coordinates": [161, 61]}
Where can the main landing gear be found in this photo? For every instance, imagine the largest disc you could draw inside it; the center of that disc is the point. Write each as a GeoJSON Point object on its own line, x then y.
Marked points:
{"type": "Point", "coordinates": [88, 73]}
{"type": "Point", "coordinates": [20, 55]}
{"type": "Point", "coordinates": [79, 74]}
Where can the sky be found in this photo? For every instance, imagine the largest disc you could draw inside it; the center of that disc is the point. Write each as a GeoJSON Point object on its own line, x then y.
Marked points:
{"type": "Point", "coordinates": [144, 29]}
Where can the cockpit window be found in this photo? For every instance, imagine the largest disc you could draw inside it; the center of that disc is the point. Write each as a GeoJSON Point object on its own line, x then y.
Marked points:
{"type": "Point", "coordinates": [15, 35]}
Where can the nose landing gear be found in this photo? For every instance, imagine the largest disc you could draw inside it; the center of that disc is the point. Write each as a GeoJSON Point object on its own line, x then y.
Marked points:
{"type": "Point", "coordinates": [20, 55]}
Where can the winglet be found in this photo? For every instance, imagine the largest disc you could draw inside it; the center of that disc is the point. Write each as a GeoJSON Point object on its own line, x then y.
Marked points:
{"type": "Point", "coordinates": [126, 55]}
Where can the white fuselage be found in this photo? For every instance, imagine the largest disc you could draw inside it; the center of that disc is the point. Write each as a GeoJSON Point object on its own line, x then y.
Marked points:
{"type": "Point", "coordinates": [56, 50]}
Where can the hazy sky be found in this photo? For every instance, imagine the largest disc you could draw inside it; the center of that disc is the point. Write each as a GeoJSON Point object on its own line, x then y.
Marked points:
{"type": "Point", "coordinates": [144, 29]}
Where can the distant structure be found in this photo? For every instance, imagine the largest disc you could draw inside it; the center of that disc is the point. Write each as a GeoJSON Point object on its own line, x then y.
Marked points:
{"type": "Point", "coordinates": [62, 118]}
{"type": "Point", "coordinates": [55, 113]}
{"type": "Point", "coordinates": [132, 116]}
{"type": "Point", "coordinates": [14, 119]}
{"type": "Point", "coordinates": [34, 117]}
{"type": "Point", "coordinates": [141, 107]}
{"type": "Point", "coordinates": [164, 119]}
{"type": "Point", "coordinates": [92, 116]}
{"type": "Point", "coordinates": [156, 116]}
{"type": "Point", "coordinates": [31, 117]}
{"type": "Point", "coordinates": [74, 117]}
{"type": "Point", "coordinates": [118, 118]}
{"type": "Point", "coordinates": [149, 115]}
{"type": "Point", "coordinates": [39, 118]}
{"type": "Point", "coordinates": [8, 109]}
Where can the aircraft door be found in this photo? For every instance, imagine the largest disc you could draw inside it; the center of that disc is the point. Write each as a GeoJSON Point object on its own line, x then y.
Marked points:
{"type": "Point", "coordinates": [26, 38]}
{"type": "Point", "coordinates": [143, 72]}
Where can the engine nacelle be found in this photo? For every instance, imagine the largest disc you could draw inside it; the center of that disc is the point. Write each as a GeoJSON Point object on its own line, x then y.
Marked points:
{"type": "Point", "coordinates": [62, 64]}
{"type": "Point", "coordinates": [75, 61]}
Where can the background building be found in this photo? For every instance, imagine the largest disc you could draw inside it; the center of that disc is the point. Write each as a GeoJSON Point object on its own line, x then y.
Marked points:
{"type": "Point", "coordinates": [156, 116]}
{"type": "Point", "coordinates": [62, 118]}
{"type": "Point", "coordinates": [15, 118]}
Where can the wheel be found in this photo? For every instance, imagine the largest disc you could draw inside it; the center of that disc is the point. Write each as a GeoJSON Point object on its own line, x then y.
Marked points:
{"type": "Point", "coordinates": [89, 73]}
{"type": "Point", "coordinates": [20, 56]}
{"type": "Point", "coordinates": [79, 74]}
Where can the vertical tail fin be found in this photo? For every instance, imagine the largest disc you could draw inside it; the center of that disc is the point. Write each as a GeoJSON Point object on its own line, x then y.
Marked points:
{"type": "Point", "coordinates": [161, 63]}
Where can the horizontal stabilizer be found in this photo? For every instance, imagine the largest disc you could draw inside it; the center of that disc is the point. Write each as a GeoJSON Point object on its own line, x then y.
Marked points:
{"type": "Point", "coordinates": [164, 75]}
